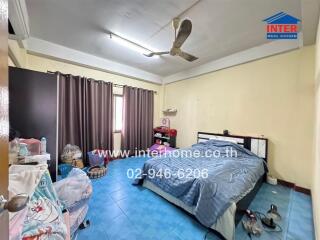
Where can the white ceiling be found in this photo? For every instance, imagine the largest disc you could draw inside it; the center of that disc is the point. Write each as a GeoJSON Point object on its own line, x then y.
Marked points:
{"type": "Point", "coordinates": [220, 27]}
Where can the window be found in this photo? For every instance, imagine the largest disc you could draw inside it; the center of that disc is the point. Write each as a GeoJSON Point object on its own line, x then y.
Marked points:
{"type": "Point", "coordinates": [117, 114]}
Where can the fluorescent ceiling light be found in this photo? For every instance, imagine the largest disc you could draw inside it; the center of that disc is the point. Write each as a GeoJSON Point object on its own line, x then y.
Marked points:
{"type": "Point", "coordinates": [128, 44]}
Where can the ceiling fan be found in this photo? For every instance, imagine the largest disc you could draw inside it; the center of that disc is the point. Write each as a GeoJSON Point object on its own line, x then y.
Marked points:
{"type": "Point", "coordinates": [180, 38]}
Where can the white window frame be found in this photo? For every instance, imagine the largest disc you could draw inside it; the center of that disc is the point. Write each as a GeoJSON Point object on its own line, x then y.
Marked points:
{"type": "Point", "coordinates": [116, 129]}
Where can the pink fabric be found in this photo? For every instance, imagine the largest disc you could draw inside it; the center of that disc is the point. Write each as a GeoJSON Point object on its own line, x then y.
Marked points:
{"type": "Point", "coordinates": [16, 224]}
{"type": "Point", "coordinates": [66, 217]}
{"type": "Point", "coordinates": [160, 149]}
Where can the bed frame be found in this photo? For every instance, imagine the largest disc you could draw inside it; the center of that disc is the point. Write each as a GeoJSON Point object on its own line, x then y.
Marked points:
{"type": "Point", "coordinates": [257, 145]}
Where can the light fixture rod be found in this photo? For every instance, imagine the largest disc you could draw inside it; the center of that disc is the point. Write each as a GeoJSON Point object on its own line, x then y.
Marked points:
{"type": "Point", "coordinates": [132, 45]}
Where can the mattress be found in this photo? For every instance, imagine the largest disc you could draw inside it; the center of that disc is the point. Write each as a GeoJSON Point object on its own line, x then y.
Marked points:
{"type": "Point", "coordinates": [225, 179]}
{"type": "Point", "coordinates": [225, 224]}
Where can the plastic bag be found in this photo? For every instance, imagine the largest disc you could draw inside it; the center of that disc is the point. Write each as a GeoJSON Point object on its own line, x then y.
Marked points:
{"type": "Point", "coordinates": [70, 153]}
{"type": "Point", "coordinates": [75, 190]}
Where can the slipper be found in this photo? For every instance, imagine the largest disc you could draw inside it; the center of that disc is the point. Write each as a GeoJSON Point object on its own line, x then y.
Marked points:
{"type": "Point", "coordinates": [84, 224]}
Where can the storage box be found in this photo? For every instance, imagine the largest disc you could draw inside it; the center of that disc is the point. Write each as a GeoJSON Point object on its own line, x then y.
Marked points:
{"type": "Point", "coordinates": [33, 145]}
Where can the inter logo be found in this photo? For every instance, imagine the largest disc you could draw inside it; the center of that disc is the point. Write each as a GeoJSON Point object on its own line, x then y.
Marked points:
{"type": "Point", "coordinates": [282, 26]}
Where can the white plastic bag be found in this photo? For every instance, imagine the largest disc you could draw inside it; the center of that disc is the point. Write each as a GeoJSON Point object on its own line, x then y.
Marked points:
{"type": "Point", "coordinates": [75, 190]}
{"type": "Point", "coordinates": [70, 153]}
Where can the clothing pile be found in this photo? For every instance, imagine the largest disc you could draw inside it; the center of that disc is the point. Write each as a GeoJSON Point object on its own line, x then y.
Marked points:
{"type": "Point", "coordinates": [74, 192]}
{"type": "Point", "coordinates": [43, 218]}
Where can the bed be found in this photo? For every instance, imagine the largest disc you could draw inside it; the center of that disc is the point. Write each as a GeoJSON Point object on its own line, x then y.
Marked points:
{"type": "Point", "coordinates": [215, 188]}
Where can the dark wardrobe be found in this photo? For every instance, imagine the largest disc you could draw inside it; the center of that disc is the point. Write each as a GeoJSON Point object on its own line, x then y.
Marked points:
{"type": "Point", "coordinates": [33, 108]}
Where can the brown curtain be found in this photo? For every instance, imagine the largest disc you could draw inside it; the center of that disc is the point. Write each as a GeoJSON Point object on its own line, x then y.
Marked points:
{"type": "Point", "coordinates": [137, 127]}
{"type": "Point", "coordinates": [85, 113]}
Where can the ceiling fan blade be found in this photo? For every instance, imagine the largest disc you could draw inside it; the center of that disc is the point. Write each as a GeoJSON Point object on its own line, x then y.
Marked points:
{"type": "Point", "coordinates": [155, 53]}
{"type": "Point", "coordinates": [187, 56]}
{"type": "Point", "coordinates": [183, 34]}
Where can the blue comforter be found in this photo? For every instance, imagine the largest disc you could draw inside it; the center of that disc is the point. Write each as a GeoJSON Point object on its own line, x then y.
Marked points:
{"type": "Point", "coordinates": [229, 177]}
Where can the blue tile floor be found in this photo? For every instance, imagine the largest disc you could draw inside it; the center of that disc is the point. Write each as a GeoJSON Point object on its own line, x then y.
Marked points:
{"type": "Point", "coordinates": [120, 211]}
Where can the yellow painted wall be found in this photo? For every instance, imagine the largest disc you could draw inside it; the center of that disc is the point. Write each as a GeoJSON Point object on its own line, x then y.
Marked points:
{"type": "Point", "coordinates": [18, 55]}
{"type": "Point", "coordinates": [10, 62]}
{"type": "Point", "coordinates": [316, 173]}
{"type": "Point", "coordinates": [43, 64]}
{"type": "Point", "coordinates": [273, 97]}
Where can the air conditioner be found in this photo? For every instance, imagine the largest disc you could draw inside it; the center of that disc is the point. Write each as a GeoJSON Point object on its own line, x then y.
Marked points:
{"type": "Point", "coordinates": [19, 20]}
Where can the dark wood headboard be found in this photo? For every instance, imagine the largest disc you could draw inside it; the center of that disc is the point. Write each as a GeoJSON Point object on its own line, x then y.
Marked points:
{"type": "Point", "coordinates": [257, 145]}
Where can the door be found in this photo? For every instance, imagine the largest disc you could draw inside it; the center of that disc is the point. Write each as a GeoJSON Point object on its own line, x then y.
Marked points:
{"type": "Point", "coordinates": [4, 121]}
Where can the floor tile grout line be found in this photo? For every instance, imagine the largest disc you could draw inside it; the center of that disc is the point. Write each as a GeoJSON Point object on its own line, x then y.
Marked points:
{"type": "Point", "coordinates": [133, 224]}
{"type": "Point", "coordinates": [125, 212]}
{"type": "Point", "coordinates": [291, 199]}
{"type": "Point", "coordinates": [127, 217]}
{"type": "Point", "coordinates": [121, 209]}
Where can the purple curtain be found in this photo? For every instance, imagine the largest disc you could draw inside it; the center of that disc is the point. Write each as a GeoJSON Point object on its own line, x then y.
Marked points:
{"type": "Point", "coordinates": [137, 127]}
{"type": "Point", "coordinates": [85, 113]}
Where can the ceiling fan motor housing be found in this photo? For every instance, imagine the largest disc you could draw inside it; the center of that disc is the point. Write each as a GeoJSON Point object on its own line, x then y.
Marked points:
{"type": "Point", "coordinates": [174, 51]}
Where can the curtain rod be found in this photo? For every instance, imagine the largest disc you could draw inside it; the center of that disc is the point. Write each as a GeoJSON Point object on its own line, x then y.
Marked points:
{"type": "Point", "coordinates": [114, 84]}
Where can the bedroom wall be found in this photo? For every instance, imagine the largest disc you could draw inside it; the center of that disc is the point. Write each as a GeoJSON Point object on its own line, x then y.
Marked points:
{"type": "Point", "coordinates": [43, 64]}
{"type": "Point", "coordinates": [17, 55]}
{"type": "Point", "coordinates": [273, 97]}
{"type": "Point", "coordinates": [316, 176]}
{"type": "Point", "coordinates": [10, 62]}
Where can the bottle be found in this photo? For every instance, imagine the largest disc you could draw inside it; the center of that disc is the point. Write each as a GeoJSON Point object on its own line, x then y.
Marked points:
{"type": "Point", "coordinates": [43, 148]}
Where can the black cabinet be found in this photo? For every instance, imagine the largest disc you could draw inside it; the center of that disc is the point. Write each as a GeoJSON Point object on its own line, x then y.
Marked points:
{"type": "Point", "coordinates": [33, 108]}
